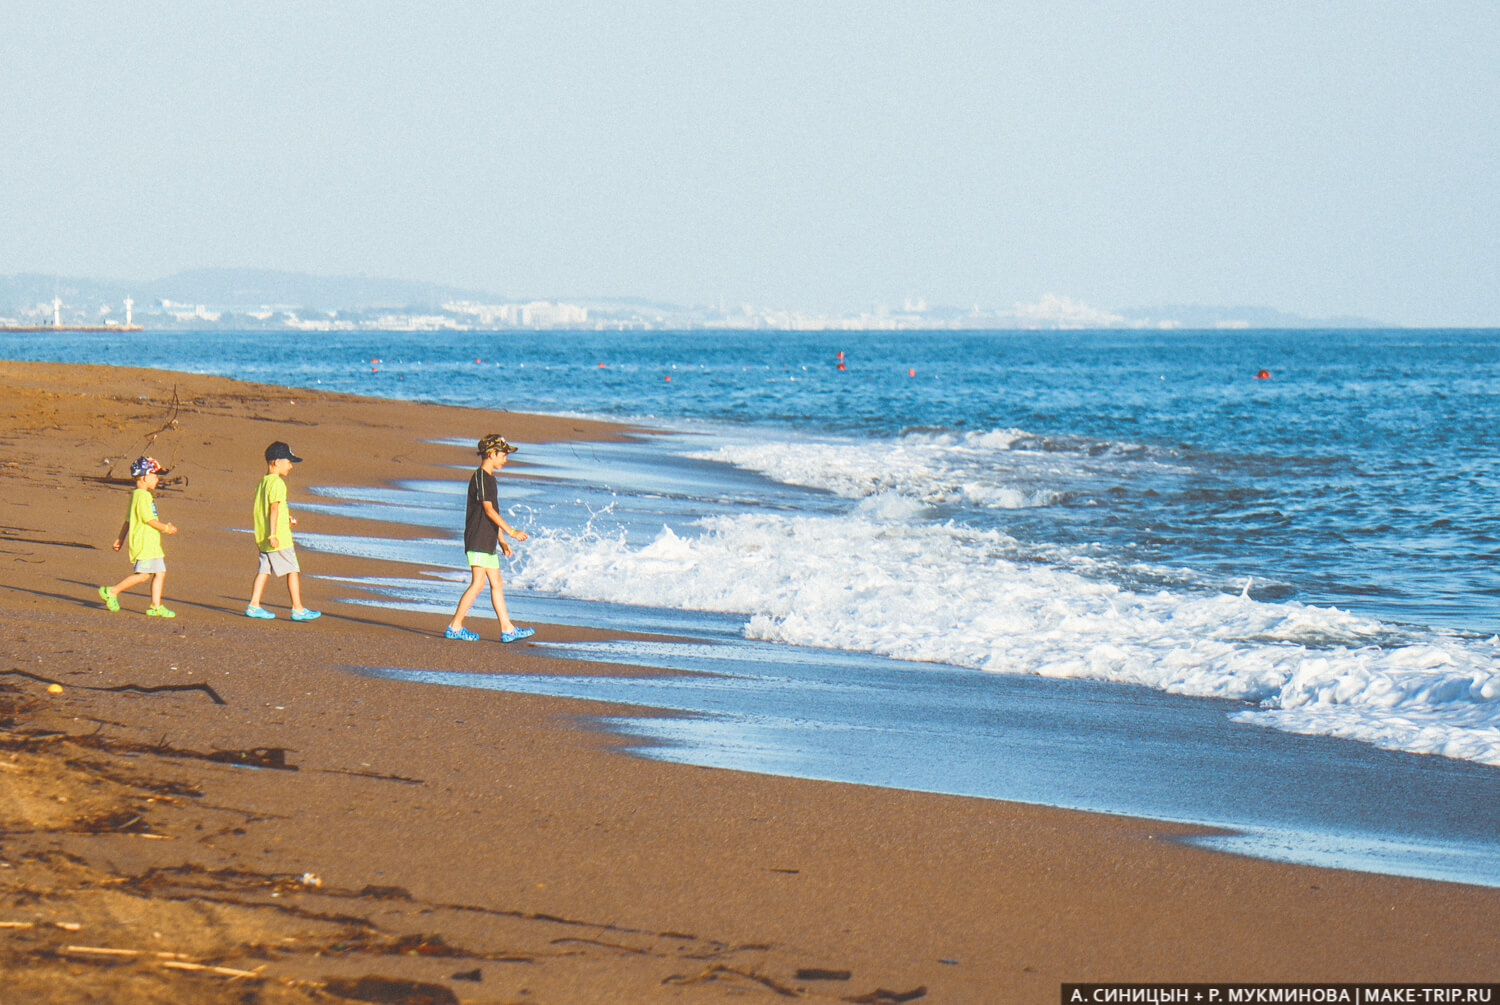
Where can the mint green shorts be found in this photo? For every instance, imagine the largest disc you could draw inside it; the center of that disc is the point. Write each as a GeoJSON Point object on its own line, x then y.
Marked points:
{"type": "Point", "coordinates": [479, 558]}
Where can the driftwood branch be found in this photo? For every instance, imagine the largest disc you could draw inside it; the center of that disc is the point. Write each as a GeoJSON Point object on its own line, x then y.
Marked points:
{"type": "Point", "coordinates": [137, 688]}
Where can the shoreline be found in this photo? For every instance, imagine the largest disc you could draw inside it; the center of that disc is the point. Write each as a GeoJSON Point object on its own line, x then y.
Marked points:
{"type": "Point", "coordinates": [520, 835]}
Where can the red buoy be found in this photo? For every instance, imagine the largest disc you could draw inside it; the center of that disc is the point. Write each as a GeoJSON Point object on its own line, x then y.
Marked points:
{"type": "Point", "coordinates": [1263, 375]}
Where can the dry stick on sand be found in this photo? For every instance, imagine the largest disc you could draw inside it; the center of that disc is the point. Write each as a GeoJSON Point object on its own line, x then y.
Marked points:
{"type": "Point", "coordinates": [110, 478]}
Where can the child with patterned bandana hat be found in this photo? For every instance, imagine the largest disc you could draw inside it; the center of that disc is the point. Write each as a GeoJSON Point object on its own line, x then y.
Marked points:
{"type": "Point", "coordinates": [141, 533]}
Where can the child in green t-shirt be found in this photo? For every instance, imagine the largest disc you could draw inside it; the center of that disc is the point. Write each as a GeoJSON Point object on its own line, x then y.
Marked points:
{"type": "Point", "coordinates": [273, 536]}
{"type": "Point", "coordinates": [142, 532]}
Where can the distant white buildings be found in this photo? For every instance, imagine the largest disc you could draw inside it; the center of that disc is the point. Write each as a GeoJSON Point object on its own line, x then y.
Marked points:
{"type": "Point", "coordinates": [1053, 311]}
{"type": "Point", "coordinates": [536, 314]}
{"type": "Point", "coordinates": [189, 312]}
{"type": "Point", "coordinates": [1050, 312]}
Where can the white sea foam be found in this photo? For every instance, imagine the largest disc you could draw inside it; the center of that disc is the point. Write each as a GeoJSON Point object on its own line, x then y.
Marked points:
{"type": "Point", "coordinates": [976, 469]}
{"type": "Point", "coordinates": [883, 581]}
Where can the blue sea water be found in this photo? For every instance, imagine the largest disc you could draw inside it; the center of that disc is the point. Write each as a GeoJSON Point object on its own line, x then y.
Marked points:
{"type": "Point", "coordinates": [1360, 474]}
{"type": "Point", "coordinates": [1307, 558]}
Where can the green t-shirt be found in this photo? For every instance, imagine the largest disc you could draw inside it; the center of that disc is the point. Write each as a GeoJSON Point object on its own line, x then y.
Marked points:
{"type": "Point", "coordinates": [144, 540]}
{"type": "Point", "coordinates": [272, 489]}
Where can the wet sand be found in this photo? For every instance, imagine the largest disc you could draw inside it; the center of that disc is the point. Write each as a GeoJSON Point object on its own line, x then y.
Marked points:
{"type": "Point", "coordinates": [426, 836]}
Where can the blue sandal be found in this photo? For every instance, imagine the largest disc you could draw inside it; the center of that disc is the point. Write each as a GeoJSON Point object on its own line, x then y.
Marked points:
{"type": "Point", "coordinates": [517, 635]}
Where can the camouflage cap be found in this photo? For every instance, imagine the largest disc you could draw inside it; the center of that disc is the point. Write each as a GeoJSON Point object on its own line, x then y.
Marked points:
{"type": "Point", "coordinates": [492, 442]}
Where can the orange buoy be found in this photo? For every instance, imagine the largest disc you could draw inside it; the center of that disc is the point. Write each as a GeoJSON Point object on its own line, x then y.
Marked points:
{"type": "Point", "coordinates": [1263, 375]}
{"type": "Point", "coordinates": [911, 371]}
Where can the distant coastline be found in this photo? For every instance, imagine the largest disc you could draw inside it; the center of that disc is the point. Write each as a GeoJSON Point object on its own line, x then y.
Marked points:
{"type": "Point", "coordinates": [38, 329]}
{"type": "Point", "coordinates": [263, 299]}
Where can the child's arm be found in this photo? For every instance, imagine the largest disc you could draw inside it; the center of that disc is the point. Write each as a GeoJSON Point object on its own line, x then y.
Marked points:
{"type": "Point", "coordinates": [499, 521]}
{"type": "Point", "coordinates": [271, 523]}
{"type": "Point", "coordinates": [124, 530]}
{"type": "Point", "coordinates": [165, 528]}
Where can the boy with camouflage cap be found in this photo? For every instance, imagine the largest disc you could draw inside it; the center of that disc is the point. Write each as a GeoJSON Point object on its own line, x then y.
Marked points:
{"type": "Point", "coordinates": [483, 525]}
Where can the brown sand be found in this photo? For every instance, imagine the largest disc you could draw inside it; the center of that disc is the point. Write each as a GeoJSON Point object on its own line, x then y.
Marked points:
{"type": "Point", "coordinates": [432, 835]}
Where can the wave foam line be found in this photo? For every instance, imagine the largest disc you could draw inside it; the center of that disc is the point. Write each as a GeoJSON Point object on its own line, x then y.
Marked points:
{"type": "Point", "coordinates": [997, 469]}
{"type": "Point", "coordinates": [943, 593]}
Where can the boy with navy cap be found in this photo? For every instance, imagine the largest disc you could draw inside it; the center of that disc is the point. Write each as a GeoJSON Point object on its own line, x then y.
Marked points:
{"type": "Point", "coordinates": [273, 535]}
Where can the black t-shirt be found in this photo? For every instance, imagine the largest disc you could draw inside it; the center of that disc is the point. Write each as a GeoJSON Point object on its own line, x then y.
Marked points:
{"type": "Point", "coordinates": [480, 532]}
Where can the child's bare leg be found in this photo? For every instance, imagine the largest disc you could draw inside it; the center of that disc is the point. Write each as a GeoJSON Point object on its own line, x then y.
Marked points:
{"type": "Point", "coordinates": [294, 588]}
{"type": "Point", "coordinates": [258, 588]}
{"type": "Point", "coordinates": [134, 579]}
{"type": "Point", "coordinates": [467, 600]}
{"type": "Point", "coordinates": [157, 581]}
{"type": "Point", "coordinates": [497, 598]}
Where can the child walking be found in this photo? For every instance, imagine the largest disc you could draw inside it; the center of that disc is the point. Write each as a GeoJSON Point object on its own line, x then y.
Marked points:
{"type": "Point", "coordinates": [142, 532]}
{"type": "Point", "coordinates": [483, 525]}
{"type": "Point", "coordinates": [273, 535]}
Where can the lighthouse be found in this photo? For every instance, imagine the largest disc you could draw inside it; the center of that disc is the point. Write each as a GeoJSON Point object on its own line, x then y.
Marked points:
{"type": "Point", "coordinates": [128, 304]}
{"type": "Point", "coordinates": [57, 312]}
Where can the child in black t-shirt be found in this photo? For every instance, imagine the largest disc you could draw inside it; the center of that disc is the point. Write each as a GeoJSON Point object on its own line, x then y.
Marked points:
{"type": "Point", "coordinates": [483, 525]}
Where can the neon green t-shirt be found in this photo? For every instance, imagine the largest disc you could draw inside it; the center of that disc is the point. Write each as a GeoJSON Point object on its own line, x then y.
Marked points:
{"type": "Point", "coordinates": [144, 540]}
{"type": "Point", "coordinates": [272, 489]}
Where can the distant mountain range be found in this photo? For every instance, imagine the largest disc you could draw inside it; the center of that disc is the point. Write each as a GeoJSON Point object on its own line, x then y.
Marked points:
{"type": "Point", "coordinates": [240, 294]}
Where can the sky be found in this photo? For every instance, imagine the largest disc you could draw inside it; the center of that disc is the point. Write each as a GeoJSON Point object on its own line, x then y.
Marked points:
{"type": "Point", "coordinates": [1325, 159]}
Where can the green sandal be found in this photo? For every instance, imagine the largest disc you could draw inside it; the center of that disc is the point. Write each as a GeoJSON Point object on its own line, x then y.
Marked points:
{"type": "Point", "coordinates": [160, 611]}
{"type": "Point", "coordinates": [110, 601]}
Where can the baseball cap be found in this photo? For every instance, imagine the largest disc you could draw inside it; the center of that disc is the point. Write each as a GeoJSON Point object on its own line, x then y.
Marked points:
{"type": "Point", "coordinates": [494, 441]}
{"type": "Point", "coordinates": [280, 451]}
{"type": "Point", "coordinates": [142, 466]}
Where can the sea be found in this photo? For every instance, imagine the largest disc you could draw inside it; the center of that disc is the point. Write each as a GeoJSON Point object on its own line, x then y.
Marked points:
{"type": "Point", "coordinates": [1248, 580]}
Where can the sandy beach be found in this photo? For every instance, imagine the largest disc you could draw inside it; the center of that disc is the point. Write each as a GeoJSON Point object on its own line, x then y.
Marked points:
{"type": "Point", "coordinates": [211, 808]}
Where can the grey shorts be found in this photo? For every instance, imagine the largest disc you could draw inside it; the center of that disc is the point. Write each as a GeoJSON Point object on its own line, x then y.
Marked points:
{"type": "Point", "coordinates": [278, 563]}
{"type": "Point", "coordinates": [157, 564]}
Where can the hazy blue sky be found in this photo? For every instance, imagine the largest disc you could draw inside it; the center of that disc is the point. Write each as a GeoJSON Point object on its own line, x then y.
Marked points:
{"type": "Point", "coordinates": [1319, 157]}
